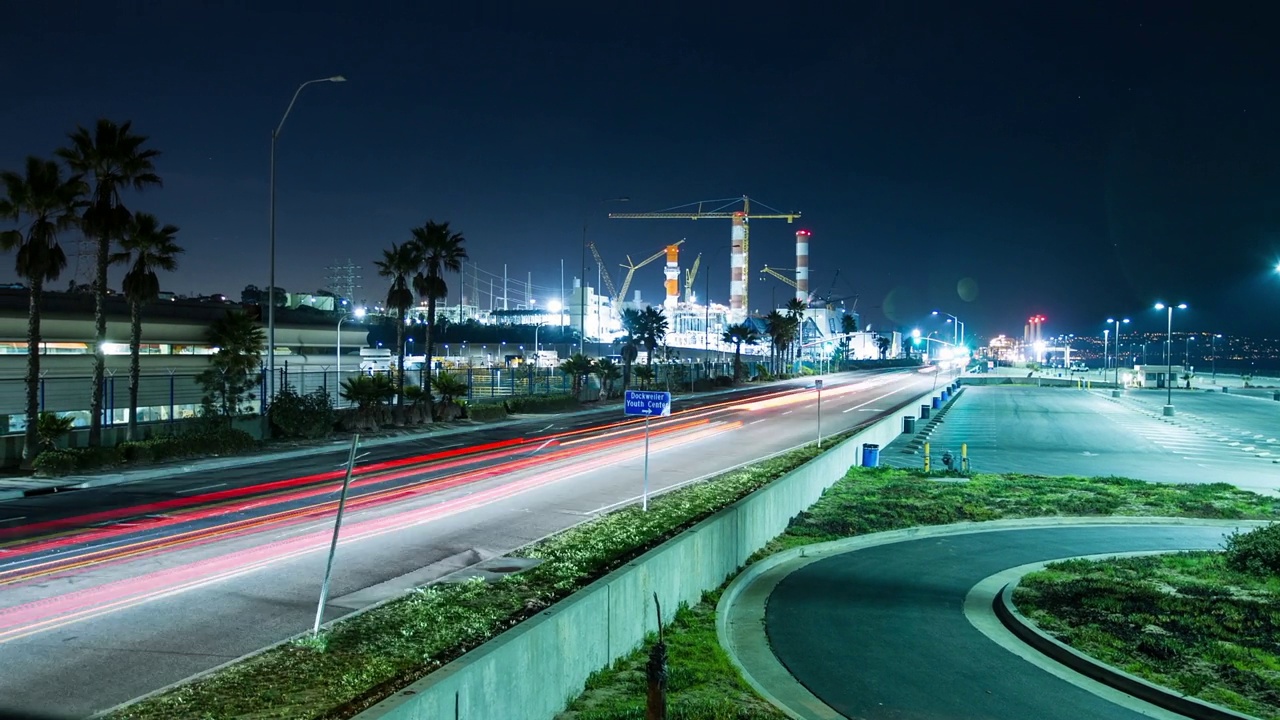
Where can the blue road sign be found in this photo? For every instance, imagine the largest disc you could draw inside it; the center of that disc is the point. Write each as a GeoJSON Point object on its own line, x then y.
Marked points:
{"type": "Point", "coordinates": [647, 403]}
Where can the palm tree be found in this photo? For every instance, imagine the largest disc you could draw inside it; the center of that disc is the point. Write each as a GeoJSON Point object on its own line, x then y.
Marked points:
{"type": "Point", "coordinates": [633, 324]}
{"type": "Point", "coordinates": [399, 263]}
{"type": "Point", "coordinates": [795, 313]}
{"type": "Point", "coordinates": [645, 375]}
{"type": "Point", "coordinates": [739, 334]}
{"type": "Point", "coordinates": [49, 204]}
{"type": "Point", "coordinates": [883, 344]}
{"type": "Point", "coordinates": [653, 328]}
{"type": "Point", "coordinates": [608, 372]}
{"type": "Point", "coordinates": [228, 382]}
{"type": "Point", "coordinates": [146, 247]}
{"type": "Point", "coordinates": [111, 157]}
{"type": "Point", "coordinates": [776, 326]}
{"type": "Point", "coordinates": [440, 250]}
{"type": "Point", "coordinates": [578, 367]}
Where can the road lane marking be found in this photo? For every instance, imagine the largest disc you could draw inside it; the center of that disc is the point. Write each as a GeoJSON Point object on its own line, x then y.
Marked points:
{"type": "Point", "coordinates": [204, 487]}
{"type": "Point", "coordinates": [14, 519]}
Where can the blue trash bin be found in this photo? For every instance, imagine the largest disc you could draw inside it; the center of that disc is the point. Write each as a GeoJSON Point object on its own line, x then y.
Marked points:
{"type": "Point", "coordinates": [924, 412]}
{"type": "Point", "coordinates": [937, 402]}
{"type": "Point", "coordinates": [871, 455]}
{"type": "Point", "coordinates": [946, 394]}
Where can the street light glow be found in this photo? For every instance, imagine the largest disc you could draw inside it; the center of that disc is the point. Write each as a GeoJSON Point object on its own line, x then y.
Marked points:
{"type": "Point", "coordinates": [358, 312]}
{"type": "Point", "coordinates": [337, 78]}
{"type": "Point", "coordinates": [554, 306]}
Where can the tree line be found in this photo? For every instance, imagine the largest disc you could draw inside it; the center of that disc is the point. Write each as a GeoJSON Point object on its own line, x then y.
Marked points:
{"type": "Point", "coordinates": [82, 188]}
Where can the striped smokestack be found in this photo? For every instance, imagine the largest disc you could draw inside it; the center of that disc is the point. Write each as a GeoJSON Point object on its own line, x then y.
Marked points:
{"type": "Point", "coordinates": [672, 273]}
{"type": "Point", "coordinates": [802, 265]}
{"type": "Point", "coordinates": [737, 261]}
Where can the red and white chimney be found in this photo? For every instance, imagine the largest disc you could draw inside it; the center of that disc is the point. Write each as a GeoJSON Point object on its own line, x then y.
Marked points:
{"type": "Point", "coordinates": [802, 265]}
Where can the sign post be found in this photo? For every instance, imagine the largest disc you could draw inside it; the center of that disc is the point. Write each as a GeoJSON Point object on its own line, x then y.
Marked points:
{"type": "Point", "coordinates": [646, 404]}
{"type": "Point", "coordinates": [818, 384]}
{"type": "Point", "coordinates": [337, 527]}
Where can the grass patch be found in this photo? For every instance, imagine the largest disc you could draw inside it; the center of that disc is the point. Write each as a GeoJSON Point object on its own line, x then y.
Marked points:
{"type": "Point", "coordinates": [871, 500]}
{"type": "Point", "coordinates": [1186, 621]}
{"type": "Point", "coordinates": [366, 658]}
{"type": "Point", "coordinates": [701, 681]}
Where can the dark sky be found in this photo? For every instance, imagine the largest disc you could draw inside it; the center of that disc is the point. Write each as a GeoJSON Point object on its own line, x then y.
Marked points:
{"type": "Point", "coordinates": [1071, 159]}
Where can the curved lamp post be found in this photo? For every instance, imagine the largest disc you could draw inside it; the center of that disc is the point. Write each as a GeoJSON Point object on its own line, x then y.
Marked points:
{"type": "Point", "coordinates": [271, 287]}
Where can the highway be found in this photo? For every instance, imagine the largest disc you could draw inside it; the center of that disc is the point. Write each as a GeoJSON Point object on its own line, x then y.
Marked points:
{"type": "Point", "coordinates": [105, 596]}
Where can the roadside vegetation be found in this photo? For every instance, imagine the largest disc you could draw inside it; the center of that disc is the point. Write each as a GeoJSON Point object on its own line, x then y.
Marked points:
{"type": "Point", "coordinates": [1201, 623]}
{"type": "Point", "coordinates": [870, 500]}
{"type": "Point", "coordinates": [363, 659]}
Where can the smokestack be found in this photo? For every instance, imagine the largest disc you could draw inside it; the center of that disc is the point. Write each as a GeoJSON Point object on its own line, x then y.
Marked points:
{"type": "Point", "coordinates": [802, 265]}
{"type": "Point", "coordinates": [737, 261]}
{"type": "Point", "coordinates": [672, 272]}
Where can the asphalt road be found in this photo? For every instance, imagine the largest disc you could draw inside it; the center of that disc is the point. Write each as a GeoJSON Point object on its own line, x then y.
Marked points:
{"type": "Point", "coordinates": [1235, 411]}
{"type": "Point", "coordinates": [91, 635]}
{"type": "Point", "coordinates": [881, 633]}
{"type": "Point", "coordinates": [24, 517]}
{"type": "Point", "coordinates": [1065, 431]}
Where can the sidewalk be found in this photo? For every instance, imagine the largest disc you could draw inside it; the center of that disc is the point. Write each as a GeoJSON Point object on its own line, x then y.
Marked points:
{"type": "Point", "coordinates": [13, 488]}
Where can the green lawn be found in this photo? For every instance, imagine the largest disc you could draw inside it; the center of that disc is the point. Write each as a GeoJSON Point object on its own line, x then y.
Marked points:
{"type": "Point", "coordinates": [366, 658]}
{"type": "Point", "coordinates": [1185, 621]}
{"type": "Point", "coordinates": [875, 500]}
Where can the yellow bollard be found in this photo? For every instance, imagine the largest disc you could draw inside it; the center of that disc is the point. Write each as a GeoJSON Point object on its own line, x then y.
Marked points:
{"type": "Point", "coordinates": [926, 457]}
{"type": "Point", "coordinates": [964, 457]}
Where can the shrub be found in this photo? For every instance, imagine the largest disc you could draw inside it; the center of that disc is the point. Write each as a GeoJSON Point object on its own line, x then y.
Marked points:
{"type": "Point", "coordinates": [1256, 552]}
{"type": "Point", "coordinates": [541, 404]}
{"type": "Point", "coordinates": [486, 411]}
{"type": "Point", "coordinates": [98, 457]}
{"type": "Point", "coordinates": [50, 429]}
{"type": "Point", "coordinates": [53, 463]}
{"type": "Point", "coordinates": [302, 416]}
{"type": "Point", "coordinates": [136, 451]}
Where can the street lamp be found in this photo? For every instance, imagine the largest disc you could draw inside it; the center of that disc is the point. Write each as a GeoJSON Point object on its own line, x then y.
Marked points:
{"type": "Point", "coordinates": [1117, 324]}
{"type": "Point", "coordinates": [359, 315]}
{"type": "Point", "coordinates": [271, 287]}
{"type": "Point", "coordinates": [582, 282]}
{"type": "Point", "coordinates": [1186, 351]}
{"type": "Point", "coordinates": [1168, 354]}
{"type": "Point", "coordinates": [958, 328]}
{"type": "Point", "coordinates": [1213, 347]}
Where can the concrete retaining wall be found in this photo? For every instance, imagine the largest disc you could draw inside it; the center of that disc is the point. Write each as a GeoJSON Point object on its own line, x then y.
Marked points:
{"type": "Point", "coordinates": [534, 669]}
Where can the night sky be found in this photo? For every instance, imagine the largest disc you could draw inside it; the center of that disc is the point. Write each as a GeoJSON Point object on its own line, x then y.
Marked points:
{"type": "Point", "coordinates": [1071, 159]}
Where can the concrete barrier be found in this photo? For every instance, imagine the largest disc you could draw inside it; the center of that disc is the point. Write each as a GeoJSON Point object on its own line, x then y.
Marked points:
{"type": "Point", "coordinates": [532, 670]}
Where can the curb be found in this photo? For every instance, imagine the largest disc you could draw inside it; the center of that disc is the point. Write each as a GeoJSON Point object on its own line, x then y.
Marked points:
{"type": "Point", "coordinates": [1059, 652]}
{"type": "Point", "coordinates": [798, 557]}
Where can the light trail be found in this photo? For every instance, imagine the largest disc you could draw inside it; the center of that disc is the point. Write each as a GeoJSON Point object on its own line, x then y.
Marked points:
{"type": "Point", "coordinates": [47, 614]}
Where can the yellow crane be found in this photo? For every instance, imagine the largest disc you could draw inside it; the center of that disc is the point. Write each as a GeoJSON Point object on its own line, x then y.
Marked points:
{"type": "Point", "coordinates": [689, 276]}
{"type": "Point", "coordinates": [777, 273]}
{"type": "Point", "coordinates": [633, 267]}
{"type": "Point", "coordinates": [723, 210]}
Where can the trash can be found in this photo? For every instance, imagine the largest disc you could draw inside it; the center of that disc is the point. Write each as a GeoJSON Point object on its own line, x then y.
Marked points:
{"type": "Point", "coordinates": [870, 455]}
{"type": "Point", "coordinates": [908, 424]}
{"type": "Point", "coordinates": [937, 402]}
{"type": "Point", "coordinates": [1226, 389]}
{"type": "Point", "coordinates": [924, 412]}
{"type": "Point", "coordinates": [946, 394]}
{"type": "Point", "coordinates": [1275, 396]}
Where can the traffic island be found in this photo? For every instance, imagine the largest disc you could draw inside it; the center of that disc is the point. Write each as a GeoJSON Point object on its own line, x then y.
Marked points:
{"type": "Point", "coordinates": [1199, 625]}
{"type": "Point", "coordinates": [870, 501]}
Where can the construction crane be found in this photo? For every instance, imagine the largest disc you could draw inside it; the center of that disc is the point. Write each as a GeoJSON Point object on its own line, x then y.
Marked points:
{"type": "Point", "coordinates": [689, 276]}
{"type": "Point", "coordinates": [777, 273]}
{"type": "Point", "coordinates": [604, 273]}
{"type": "Point", "coordinates": [633, 267]}
{"type": "Point", "coordinates": [739, 259]}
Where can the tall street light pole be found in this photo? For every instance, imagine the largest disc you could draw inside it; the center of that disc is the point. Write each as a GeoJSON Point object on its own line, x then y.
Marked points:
{"type": "Point", "coordinates": [359, 314]}
{"type": "Point", "coordinates": [1168, 354]}
{"type": "Point", "coordinates": [955, 328]}
{"type": "Point", "coordinates": [582, 284]}
{"type": "Point", "coordinates": [1117, 324]}
{"type": "Point", "coordinates": [1213, 346]}
{"type": "Point", "coordinates": [271, 287]}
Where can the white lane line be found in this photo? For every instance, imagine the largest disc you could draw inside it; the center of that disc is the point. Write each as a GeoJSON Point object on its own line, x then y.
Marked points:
{"type": "Point", "coordinates": [14, 519]}
{"type": "Point", "coordinates": [788, 412]}
{"type": "Point", "coordinates": [205, 487]}
{"type": "Point", "coordinates": [756, 422]}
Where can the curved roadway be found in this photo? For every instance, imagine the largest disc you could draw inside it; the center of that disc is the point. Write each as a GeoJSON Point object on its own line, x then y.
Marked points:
{"type": "Point", "coordinates": [881, 632]}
